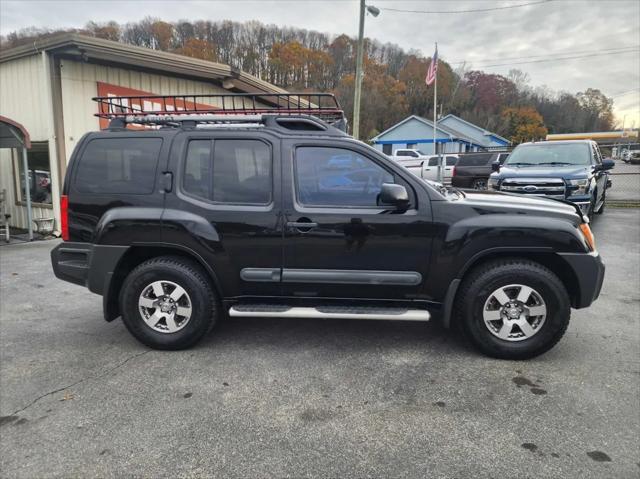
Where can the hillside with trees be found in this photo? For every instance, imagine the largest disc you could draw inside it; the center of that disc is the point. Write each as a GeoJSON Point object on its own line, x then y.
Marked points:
{"type": "Point", "coordinates": [393, 87]}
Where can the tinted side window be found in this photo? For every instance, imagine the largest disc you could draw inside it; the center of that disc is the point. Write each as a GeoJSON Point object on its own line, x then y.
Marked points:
{"type": "Point", "coordinates": [337, 177]}
{"type": "Point", "coordinates": [403, 153]}
{"type": "Point", "coordinates": [238, 171]}
{"type": "Point", "coordinates": [118, 166]}
{"type": "Point", "coordinates": [475, 160]}
{"type": "Point", "coordinates": [451, 160]}
{"type": "Point", "coordinates": [433, 161]}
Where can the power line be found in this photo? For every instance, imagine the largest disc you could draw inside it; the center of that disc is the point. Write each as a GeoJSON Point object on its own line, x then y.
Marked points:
{"type": "Point", "coordinates": [548, 55]}
{"type": "Point", "coordinates": [475, 10]}
{"type": "Point", "coordinates": [555, 59]}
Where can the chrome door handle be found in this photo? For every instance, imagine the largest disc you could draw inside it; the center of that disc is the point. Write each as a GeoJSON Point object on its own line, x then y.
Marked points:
{"type": "Point", "coordinates": [301, 224]}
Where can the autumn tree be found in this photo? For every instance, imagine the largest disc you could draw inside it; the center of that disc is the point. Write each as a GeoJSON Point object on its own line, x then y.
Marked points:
{"type": "Point", "coordinates": [299, 59]}
{"type": "Point", "coordinates": [383, 103]}
{"type": "Point", "coordinates": [108, 31]}
{"type": "Point", "coordinates": [195, 48]}
{"type": "Point", "coordinates": [524, 124]}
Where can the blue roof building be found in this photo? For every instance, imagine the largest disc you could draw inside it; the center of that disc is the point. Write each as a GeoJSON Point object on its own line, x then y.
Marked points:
{"type": "Point", "coordinates": [453, 135]}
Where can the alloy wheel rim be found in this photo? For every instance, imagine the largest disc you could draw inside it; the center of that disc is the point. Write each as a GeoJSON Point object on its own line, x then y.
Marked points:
{"type": "Point", "coordinates": [480, 185]}
{"type": "Point", "coordinates": [165, 306]}
{"type": "Point", "coordinates": [514, 312]}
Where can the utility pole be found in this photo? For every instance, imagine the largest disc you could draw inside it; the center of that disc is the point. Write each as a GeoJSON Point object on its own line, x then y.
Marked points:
{"type": "Point", "coordinates": [358, 86]}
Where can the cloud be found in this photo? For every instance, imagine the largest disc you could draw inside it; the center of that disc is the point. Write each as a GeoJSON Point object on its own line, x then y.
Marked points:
{"type": "Point", "coordinates": [545, 29]}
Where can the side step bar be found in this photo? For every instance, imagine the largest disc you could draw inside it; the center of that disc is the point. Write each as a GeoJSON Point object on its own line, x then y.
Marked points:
{"type": "Point", "coordinates": [326, 312]}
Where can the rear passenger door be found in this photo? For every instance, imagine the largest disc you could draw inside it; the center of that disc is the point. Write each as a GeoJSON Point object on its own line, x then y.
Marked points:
{"type": "Point", "coordinates": [225, 205]}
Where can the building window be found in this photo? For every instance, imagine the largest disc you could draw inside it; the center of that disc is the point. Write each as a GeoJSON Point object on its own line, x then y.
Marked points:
{"type": "Point", "coordinates": [387, 149]}
{"type": "Point", "coordinates": [39, 174]}
{"type": "Point", "coordinates": [412, 146]}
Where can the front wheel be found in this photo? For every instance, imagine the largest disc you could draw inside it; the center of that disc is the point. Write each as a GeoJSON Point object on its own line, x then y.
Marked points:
{"type": "Point", "coordinates": [168, 303]}
{"type": "Point", "coordinates": [513, 308]}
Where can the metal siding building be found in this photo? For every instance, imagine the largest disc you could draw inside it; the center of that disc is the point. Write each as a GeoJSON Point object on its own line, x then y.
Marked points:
{"type": "Point", "coordinates": [48, 87]}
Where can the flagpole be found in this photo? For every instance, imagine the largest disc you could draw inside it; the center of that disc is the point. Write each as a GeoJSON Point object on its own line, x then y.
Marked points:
{"type": "Point", "coordinates": [435, 113]}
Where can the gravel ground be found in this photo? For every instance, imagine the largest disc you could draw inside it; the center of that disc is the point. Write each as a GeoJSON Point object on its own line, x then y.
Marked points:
{"type": "Point", "coordinates": [285, 398]}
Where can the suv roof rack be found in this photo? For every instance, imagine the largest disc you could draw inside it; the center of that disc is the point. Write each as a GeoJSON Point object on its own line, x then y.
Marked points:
{"type": "Point", "coordinates": [220, 109]}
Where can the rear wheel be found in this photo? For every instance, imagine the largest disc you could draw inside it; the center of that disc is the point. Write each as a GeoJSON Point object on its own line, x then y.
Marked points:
{"type": "Point", "coordinates": [168, 303]}
{"type": "Point", "coordinates": [479, 184]}
{"type": "Point", "coordinates": [513, 309]}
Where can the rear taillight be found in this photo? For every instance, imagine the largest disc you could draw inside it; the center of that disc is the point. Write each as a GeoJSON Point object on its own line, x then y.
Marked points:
{"type": "Point", "coordinates": [453, 172]}
{"type": "Point", "coordinates": [64, 217]}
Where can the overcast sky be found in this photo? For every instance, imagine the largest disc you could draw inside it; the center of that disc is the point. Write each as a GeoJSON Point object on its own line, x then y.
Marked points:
{"type": "Point", "coordinates": [502, 38]}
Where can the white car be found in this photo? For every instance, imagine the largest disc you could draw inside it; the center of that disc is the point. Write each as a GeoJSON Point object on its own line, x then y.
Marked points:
{"type": "Point", "coordinates": [430, 167]}
{"type": "Point", "coordinates": [426, 166]}
{"type": "Point", "coordinates": [411, 159]}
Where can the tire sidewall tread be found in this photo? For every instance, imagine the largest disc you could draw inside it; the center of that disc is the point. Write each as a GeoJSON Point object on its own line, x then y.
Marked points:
{"type": "Point", "coordinates": [188, 275]}
{"type": "Point", "coordinates": [481, 282]}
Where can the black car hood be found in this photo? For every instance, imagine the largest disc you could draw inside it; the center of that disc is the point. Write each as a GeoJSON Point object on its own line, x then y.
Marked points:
{"type": "Point", "coordinates": [496, 202]}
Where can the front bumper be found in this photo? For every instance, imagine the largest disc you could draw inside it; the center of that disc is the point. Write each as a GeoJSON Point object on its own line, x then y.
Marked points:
{"type": "Point", "coordinates": [588, 268]}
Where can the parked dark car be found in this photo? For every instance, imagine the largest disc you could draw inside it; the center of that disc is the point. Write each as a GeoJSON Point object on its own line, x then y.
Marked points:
{"type": "Point", "coordinates": [571, 170]}
{"type": "Point", "coordinates": [289, 217]}
{"type": "Point", "coordinates": [473, 169]}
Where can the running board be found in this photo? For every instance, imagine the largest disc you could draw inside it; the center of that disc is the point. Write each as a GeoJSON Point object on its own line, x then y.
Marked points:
{"type": "Point", "coordinates": [328, 312]}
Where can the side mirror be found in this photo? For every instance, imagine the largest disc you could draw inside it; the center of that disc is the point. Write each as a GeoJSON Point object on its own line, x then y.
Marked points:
{"type": "Point", "coordinates": [392, 194]}
{"type": "Point", "coordinates": [607, 164]}
{"type": "Point", "coordinates": [495, 166]}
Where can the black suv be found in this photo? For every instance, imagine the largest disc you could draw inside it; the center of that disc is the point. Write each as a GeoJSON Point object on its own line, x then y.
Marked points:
{"type": "Point", "coordinates": [472, 170]}
{"type": "Point", "coordinates": [287, 216]}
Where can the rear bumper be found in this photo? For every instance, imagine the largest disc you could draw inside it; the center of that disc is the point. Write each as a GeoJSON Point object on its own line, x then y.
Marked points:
{"type": "Point", "coordinates": [462, 181]}
{"type": "Point", "coordinates": [86, 264]}
{"type": "Point", "coordinates": [589, 269]}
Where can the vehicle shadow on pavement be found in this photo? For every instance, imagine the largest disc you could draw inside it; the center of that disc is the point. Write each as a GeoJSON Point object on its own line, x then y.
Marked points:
{"type": "Point", "coordinates": [335, 334]}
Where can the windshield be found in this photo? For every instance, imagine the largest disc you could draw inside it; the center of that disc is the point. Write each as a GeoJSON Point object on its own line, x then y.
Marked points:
{"type": "Point", "coordinates": [552, 154]}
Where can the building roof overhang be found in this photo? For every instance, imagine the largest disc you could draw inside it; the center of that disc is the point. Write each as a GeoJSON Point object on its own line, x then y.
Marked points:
{"type": "Point", "coordinates": [13, 134]}
{"type": "Point", "coordinates": [88, 49]}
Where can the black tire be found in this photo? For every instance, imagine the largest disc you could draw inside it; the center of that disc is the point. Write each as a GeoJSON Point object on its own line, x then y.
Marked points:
{"type": "Point", "coordinates": [604, 202]}
{"type": "Point", "coordinates": [479, 285]}
{"type": "Point", "coordinates": [185, 273]}
{"type": "Point", "coordinates": [479, 184]}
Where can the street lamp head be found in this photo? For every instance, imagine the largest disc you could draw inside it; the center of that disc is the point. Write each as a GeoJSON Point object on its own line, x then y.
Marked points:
{"type": "Point", "coordinates": [373, 10]}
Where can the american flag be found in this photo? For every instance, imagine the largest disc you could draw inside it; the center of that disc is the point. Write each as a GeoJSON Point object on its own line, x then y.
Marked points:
{"type": "Point", "coordinates": [433, 69]}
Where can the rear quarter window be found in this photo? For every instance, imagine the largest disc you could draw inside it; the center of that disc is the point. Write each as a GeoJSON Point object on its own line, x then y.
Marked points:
{"type": "Point", "coordinates": [118, 166]}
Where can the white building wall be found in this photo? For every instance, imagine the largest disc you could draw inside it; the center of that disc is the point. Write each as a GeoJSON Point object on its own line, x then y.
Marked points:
{"type": "Point", "coordinates": [24, 98]}
{"type": "Point", "coordinates": [80, 84]}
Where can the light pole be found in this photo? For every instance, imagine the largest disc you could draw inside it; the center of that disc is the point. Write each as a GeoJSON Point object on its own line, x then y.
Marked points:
{"type": "Point", "coordinates": [358, 86]}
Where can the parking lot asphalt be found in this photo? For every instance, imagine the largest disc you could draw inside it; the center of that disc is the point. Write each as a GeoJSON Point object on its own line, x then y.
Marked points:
{"type": "Point", "coordinates": [79, 397]}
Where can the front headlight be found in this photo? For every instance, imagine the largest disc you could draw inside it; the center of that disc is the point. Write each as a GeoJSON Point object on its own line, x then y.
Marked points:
{"type": "Point", "coordinates": [578, 187]}
{"type": "Point", "coordinates": [493, 184]}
